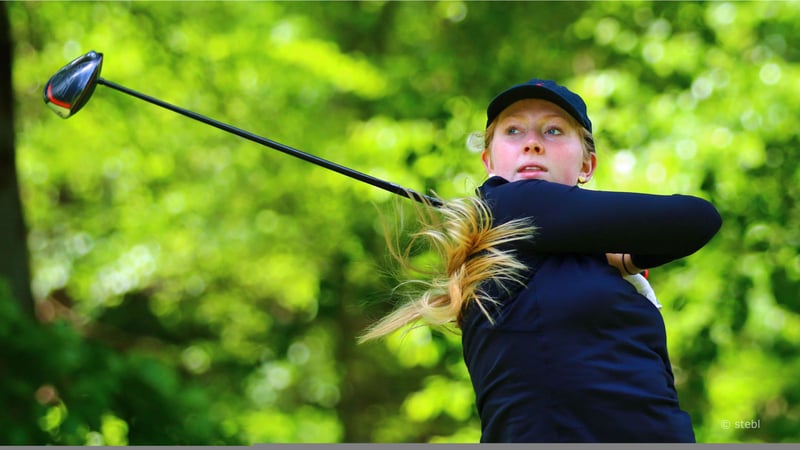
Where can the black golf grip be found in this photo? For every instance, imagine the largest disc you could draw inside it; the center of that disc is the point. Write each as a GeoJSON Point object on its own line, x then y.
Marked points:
{"type": "Point", "coordinates": [377, 182]}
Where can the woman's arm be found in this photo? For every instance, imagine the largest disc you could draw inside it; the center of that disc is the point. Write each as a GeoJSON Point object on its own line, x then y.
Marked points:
{"type": "Point", "coordinates": [654, 229]}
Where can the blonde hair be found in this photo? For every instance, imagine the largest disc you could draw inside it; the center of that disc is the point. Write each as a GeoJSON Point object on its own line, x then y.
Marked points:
{"type": "Point", "coordinates": [461, 234]}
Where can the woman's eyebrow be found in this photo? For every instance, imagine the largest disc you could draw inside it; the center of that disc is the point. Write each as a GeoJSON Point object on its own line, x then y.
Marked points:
{"type": "Point", "coordinates": [547, 115]}
{"type": "Point", "coordinates": [555, 115]}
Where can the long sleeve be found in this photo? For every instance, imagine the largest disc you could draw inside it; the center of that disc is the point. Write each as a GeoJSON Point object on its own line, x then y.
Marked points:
{"type": "Point", "coordinates": [654, 229]}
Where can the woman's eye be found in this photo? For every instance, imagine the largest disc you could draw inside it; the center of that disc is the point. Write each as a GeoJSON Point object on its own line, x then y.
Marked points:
{"type": "Point", "coordinates": [512, 130]}
{"type": "Point", "coordinates": [554, 131]}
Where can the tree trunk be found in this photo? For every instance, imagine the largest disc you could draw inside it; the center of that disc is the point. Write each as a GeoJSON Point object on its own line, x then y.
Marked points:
{"type": "Point", "coordinates": [14, 261]}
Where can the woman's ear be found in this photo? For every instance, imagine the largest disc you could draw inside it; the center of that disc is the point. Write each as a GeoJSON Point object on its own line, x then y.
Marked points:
{"type": "Point", "coordinates": [486, 157]}
{"type": "Point", "coordinates": [587, 168]}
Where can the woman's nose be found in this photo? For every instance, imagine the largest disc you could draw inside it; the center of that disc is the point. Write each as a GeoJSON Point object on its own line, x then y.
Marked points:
{"type": "Point", "coordinates": [533, 145]}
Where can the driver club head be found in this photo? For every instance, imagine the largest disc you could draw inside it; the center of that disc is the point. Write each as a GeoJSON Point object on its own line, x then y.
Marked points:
{"type": "Point", "coordinates": [71, 87]}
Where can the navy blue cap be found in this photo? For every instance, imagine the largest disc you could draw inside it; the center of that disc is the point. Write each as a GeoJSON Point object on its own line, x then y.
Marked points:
{"type": "Point", "coordinates": [543, 89]}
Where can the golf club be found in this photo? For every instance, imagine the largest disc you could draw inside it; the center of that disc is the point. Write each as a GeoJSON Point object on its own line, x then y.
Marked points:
{"type": "Point", "coordinates": [71, 87]}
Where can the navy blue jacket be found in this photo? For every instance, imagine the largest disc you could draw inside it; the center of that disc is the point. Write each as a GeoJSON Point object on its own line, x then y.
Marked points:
{"type": "Point", "coordinates": [577, 355]}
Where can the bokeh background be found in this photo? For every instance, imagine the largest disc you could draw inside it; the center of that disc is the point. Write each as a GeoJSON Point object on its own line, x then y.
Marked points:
{"type": "Point", "coordinates": [168, 283]}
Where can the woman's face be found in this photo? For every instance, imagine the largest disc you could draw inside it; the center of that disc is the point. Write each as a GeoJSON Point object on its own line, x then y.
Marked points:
{"type": "Point", "coordinates": [536, 139]}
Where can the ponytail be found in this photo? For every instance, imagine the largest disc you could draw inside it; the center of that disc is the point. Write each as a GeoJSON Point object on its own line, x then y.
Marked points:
{"type": "Point", "coordinates": [461, 234]}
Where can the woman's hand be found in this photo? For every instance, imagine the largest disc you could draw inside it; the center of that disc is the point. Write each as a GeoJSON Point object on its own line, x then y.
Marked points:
{"type": "Point", "coordinates": [633, 275]}
{"type": "Point", "coordinates": [623, 263]}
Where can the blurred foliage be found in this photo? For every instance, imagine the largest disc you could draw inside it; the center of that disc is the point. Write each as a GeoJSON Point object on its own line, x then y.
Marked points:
{"type": "Point", "coordinates": [195, 288]}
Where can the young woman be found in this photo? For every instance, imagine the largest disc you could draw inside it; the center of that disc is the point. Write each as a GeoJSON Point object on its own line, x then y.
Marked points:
{"type": "Point", "coordinates": [559, 346]}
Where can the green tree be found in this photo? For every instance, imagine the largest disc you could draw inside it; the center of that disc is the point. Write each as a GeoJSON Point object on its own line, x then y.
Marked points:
{"type": "Point", "coordinates": [14, 266]}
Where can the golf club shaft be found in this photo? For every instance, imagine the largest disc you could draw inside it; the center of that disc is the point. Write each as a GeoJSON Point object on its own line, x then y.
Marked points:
{"type": "Point", "coordinates": [377, 182]}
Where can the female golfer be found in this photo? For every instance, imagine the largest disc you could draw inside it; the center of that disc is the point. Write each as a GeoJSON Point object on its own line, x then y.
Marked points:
{"type": "Point", "coordinates": [559, 346]}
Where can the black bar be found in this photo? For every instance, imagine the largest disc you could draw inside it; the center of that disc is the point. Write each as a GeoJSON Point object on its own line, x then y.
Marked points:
{"type": "Point", "coordinates": [377, 182]}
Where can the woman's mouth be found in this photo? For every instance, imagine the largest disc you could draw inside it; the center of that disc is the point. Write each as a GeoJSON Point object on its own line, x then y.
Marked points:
{"type": "Point", "coordinates": [531, 168]}
{"type": "Point", "coordinates": [530, 171]}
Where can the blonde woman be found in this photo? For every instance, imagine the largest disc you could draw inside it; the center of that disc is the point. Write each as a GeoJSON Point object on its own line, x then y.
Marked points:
{"type": "Point", "coordinates": [559, 346]}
